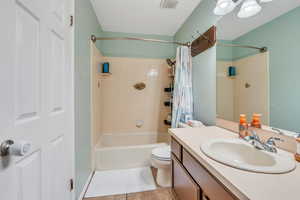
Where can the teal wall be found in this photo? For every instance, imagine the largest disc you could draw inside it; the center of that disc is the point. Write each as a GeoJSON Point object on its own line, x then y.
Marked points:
{"type": "Point", "coordinates": [85, 24]}
{"type": "Point", "coordinates": [277, 35]}
{"type": "Point", "coordinates": [204, 64]}
{"type": "Point", "coordinates": [282, 37]}
{"type": "Point", "coordinates": [225, 53]}
{"type": "Point", "coordinates": [137, 49]}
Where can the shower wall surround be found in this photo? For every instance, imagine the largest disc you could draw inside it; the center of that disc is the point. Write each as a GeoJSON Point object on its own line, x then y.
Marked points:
{"type": "Point", "coordinates": [96, 59]}
{"type": "Point", "coordinates": [125, 109]}
{"type": "Point", "coordinates": [204, 65]}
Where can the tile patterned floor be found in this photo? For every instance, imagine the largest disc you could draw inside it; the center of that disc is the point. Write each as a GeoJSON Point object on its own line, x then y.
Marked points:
{"type": "Point", "coordinates": [159, 194]}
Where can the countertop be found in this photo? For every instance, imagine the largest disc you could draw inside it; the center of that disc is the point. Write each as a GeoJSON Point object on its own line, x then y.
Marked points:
{"type": "Point", "coordinates": [245, 185]}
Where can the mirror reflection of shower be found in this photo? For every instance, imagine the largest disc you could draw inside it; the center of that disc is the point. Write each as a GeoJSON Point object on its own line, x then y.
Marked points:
{"type": "Point", "coordinates": [242, 83]}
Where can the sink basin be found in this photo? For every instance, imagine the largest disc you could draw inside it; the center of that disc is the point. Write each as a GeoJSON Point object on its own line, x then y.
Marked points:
{"type": "Point", "coordinates": [239, 154]}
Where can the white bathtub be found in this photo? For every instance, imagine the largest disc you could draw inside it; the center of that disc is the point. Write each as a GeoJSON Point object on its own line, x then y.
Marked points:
{"type": "Point", "coordinates": [125, 150]}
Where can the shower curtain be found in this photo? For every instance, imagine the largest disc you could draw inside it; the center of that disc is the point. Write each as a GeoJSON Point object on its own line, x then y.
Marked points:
{"type": "Point", "coordinates": [182, 94]}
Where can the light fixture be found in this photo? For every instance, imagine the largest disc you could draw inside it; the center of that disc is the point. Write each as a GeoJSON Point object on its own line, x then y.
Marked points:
{"type": "Point", "coordinates": [249, 8]}
{"type": "Point", "coordinates": [265, 1]}
{"type": "Point", "coordinates": [168, 4]}
{"type": "Point", "coordinates": [224, 7]}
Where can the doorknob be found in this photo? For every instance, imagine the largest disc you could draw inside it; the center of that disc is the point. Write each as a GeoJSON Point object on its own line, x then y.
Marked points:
{"type": "Point", "coordinates": [14, 148]}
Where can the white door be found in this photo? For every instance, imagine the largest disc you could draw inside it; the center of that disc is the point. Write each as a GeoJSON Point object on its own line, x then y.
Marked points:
{"type": "Point", "coordinates": [36, 99]}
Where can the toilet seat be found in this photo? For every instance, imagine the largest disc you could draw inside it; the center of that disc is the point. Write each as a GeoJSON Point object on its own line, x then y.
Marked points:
{"type": "Point", "coordinates": [162, 153]}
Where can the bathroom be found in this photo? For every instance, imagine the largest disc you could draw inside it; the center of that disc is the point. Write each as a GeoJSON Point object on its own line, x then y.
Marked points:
{"type": "Point", "coordinates": [158, 100]}
{"type": "Point", "coordinates": [130, 122]}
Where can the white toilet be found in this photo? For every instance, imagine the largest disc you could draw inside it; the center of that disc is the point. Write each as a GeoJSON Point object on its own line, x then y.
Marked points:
{"type": "Point", "coordinates": [161, 159]}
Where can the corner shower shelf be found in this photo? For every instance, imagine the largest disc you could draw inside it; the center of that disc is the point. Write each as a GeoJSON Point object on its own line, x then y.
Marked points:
{"type": "Point", "coordinates": [167, 103]}
{"type": "Point", "coordinates": [168, 89]}
{"type": "Point", "coordinates": [104, 75]}
{"type": "Point", "coordinates": [167, 123]}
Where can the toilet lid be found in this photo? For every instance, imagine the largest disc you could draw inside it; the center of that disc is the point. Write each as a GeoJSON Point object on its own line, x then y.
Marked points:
{"type": "Point", "coordinates": [162, 153]}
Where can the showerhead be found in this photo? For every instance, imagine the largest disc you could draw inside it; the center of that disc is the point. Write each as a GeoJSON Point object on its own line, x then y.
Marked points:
{"type": "Point", "coordinates": [170, 62]}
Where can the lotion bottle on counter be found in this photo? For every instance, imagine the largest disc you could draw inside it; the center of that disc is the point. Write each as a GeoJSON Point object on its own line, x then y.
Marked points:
{"type": "Point", "coordinates": [243, 126]}
{"type": "Point", "coordinates": [256, 120]}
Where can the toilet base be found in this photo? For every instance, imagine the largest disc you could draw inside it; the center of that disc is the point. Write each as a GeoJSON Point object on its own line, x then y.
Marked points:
{"type": "Point", "coordinates": [163, 178]}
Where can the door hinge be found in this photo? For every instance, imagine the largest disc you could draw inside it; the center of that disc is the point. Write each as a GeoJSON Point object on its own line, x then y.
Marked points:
{"type": "Point", "coordinates": [71, 20]}
{"type": "Point", "coordinates": [71, 184]}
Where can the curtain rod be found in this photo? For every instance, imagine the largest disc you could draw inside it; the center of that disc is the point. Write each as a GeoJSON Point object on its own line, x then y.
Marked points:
{"type": "Point", "coordinates": [94, 39]}
{"type": "Point", "coordinates": [261, 49]}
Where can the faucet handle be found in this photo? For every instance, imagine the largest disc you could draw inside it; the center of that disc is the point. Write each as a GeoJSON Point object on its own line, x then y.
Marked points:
{"type": "Point", "coordinates": [271, 140]}
{"type": "Point", "coordinates": [254, 135]}
{"type": "Point", "coordinates": [278, 131]}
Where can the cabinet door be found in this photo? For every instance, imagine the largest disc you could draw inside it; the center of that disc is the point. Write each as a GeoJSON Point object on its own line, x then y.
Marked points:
{"type": "Point", "coordinates": [212, 189]}
{"type": "Point", "coordinates": [176, 149]}
{"type": "Point", "coordinates": [184, 186]}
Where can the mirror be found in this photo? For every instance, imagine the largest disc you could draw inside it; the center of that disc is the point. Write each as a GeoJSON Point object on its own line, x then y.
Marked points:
{"type": "Point", "coordinates": [253, 79]}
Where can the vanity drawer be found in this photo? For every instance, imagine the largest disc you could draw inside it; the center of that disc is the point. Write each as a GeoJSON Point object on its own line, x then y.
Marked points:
{"type": "Point", "coordinates": [183, 185]}
{"type": "Point", "coordinates": [213, 189]}
{"type": "Point", "coordinates": [176, 149]}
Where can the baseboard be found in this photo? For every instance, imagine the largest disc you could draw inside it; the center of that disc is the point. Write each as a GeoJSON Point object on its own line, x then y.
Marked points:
{"type": "Point", "coordinates": [86, 185]}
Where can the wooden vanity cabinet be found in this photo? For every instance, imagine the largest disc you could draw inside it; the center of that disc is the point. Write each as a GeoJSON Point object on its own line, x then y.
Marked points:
{"type": "Point", "coordinates": [213, 189]}
{"type": "Point", "coordinates": [184, 186]}
{"type": "Point", "coordinates": [189, 168]}
{"type": "Point", "coordinates": [176, 149]}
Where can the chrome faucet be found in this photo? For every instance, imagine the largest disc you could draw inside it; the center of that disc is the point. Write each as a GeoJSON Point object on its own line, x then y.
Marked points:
{"type": "Point", "coordinates": [269, 145]}
{"type": "Point", "coordinates": [278, 131]}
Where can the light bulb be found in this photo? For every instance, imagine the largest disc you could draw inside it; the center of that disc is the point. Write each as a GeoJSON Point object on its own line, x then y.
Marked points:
{"type": "Point", "coordinates": [249, 8]}
{"type": "Point", "coordinates": [224, 7]}
{"type": "Point", "coordinates": [224, 4]}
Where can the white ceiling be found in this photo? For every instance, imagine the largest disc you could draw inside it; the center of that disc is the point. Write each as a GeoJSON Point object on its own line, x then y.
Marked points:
{"type": "Point", "coordinates": [231, 27]}
{"type": "Point", "coordinates": [142, 16]}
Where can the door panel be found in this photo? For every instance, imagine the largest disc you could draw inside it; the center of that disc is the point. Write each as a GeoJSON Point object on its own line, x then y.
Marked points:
{"type": "Point", "coordinates": [27, 70]}
{"type": "Point", "coordinates": [57, 52]}
{"type": "Point", "coordinates": [56, 173]}
{"type": "Point", "coordinates": [29, 177]}
{"type": "Point", "coordinates": [57, 72]}
{"type": "Point", "coordinates": [33, 6]}
{"type": "Point", "coordinates": [36, 104]}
